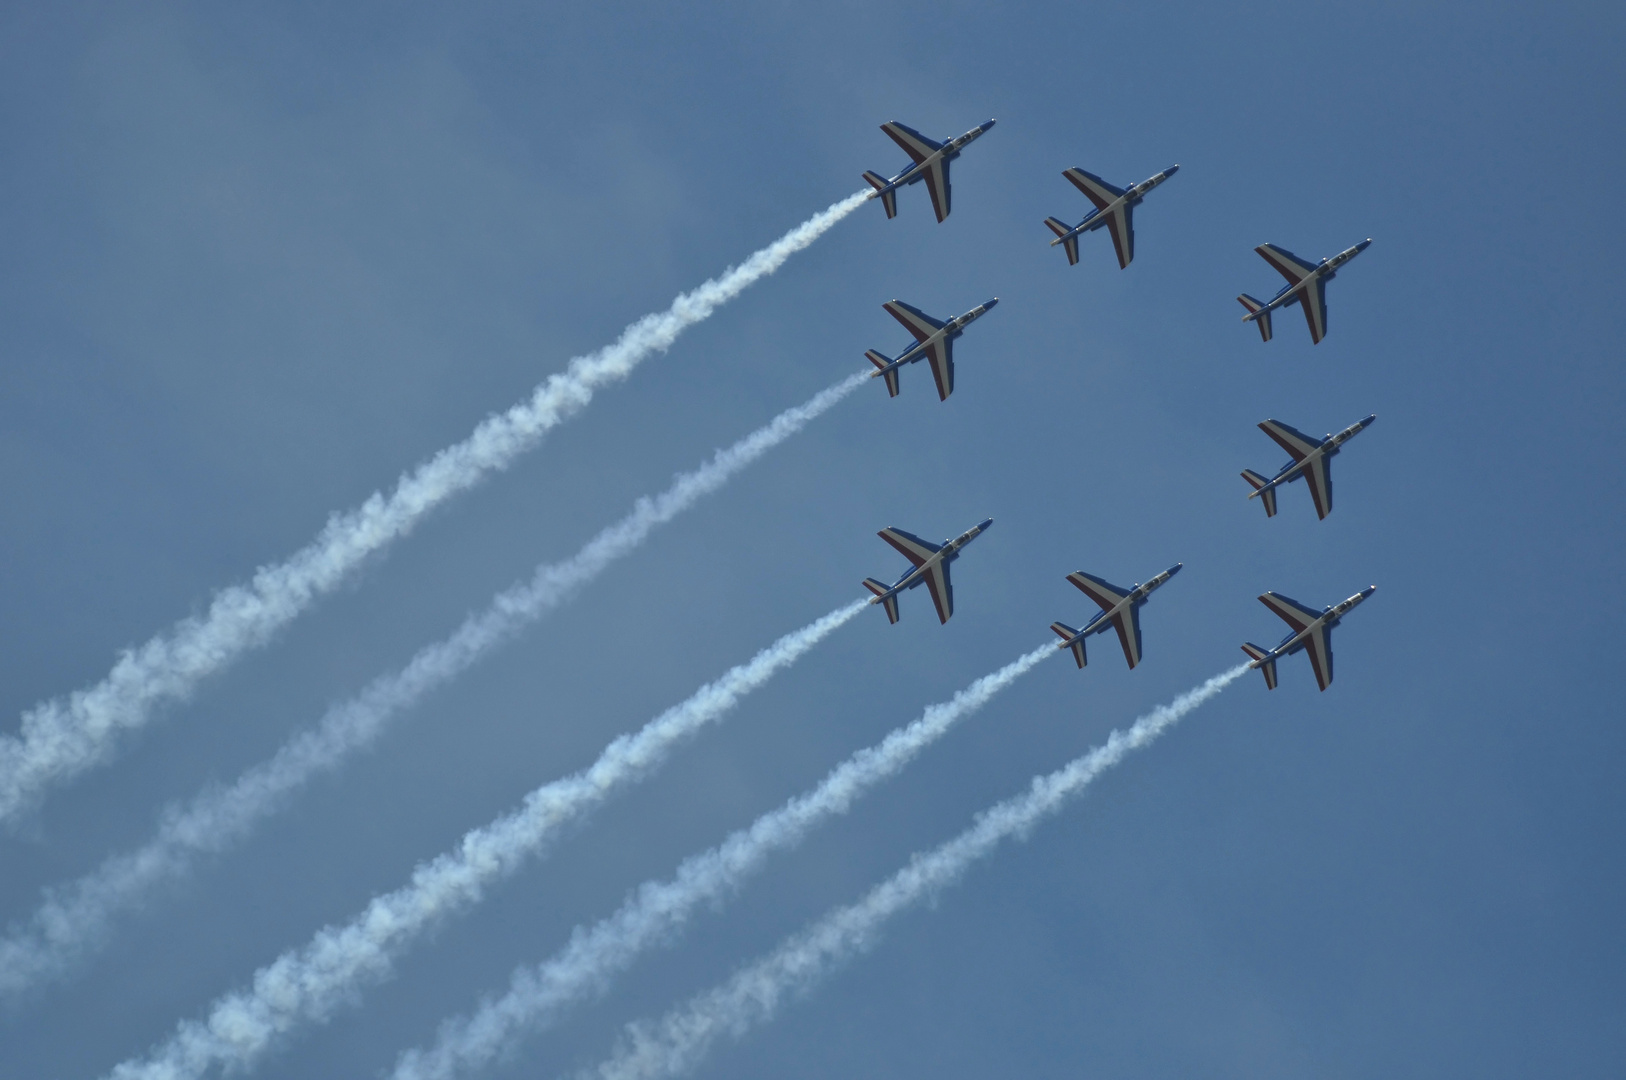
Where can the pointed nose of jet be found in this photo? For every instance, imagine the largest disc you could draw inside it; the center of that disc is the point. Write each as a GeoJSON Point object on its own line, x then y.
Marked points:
{"type": "Point", "coordinates": [983, 527]}
{"type": "Point", "coordinates": [988, 125]}
{"type": "Point", "coordinates": [1175, 569]}
{"type": "Point", "coordinates": [989, 305]}
{"type": "Point", "coordinates": [1368, 591]}
{"type": "Point", "coordinates": [1362, 246]}
{"type": "Point", "coordinates": [1171, 170]}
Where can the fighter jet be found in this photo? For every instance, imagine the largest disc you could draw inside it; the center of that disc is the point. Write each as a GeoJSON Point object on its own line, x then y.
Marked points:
{"type": "Point", "coordinates": [1310, 463]}
{"type": "Point", "coordinates": [933, 340]}
{"type": "Point", "coordinates": [1306, 286]}
{"type": "Point", "coordinates": [1312, 633]}
{"type": "Point", "coordinates": [1113, 207]}
{"type": "Point", "coordinates": [931, 164]}
{"type": "Point", "coordinates": [1120, 609]}
{"type": "Point", "coordinates": [931, 568]}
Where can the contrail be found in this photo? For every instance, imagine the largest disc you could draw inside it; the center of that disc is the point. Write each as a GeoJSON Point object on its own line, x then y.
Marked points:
{"type": "Point", "coordinates": [656, 909]}
{"type": "Point", "coordinates": [676, 1042]}
{"type": "Point", "coordinates": [63, 737]}
{"type": "Point", "coordinates": [75, 918]}
{"type": "Point", "coordinates": [306, 984]}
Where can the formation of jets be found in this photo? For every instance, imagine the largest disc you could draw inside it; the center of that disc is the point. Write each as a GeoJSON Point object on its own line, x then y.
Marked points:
{"type": "Point", "coordinates": [1311, 630]}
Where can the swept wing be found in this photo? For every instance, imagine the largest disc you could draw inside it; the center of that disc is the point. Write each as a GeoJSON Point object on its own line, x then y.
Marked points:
{"type": "Point", "coordinates": [912, 547]}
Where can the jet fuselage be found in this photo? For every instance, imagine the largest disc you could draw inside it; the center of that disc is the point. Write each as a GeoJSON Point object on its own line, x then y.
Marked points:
{"type": "Point", "coordinates": [1325, 270]}
{"type": "Point", "coordinates": [950, 551]}
{"type": "Point", "coordinates": [949, 331]}
{"type": "Point", "coordinates": [1097, 218]}
{"type": "Point", "coordinates": [1330, 617]}
{"type": "Point", "coordinates": [1294, 470]}
{"type": "Point", "coordinates": [1137, 595]}
{"type": "Point", "coordinates": [916, 170]}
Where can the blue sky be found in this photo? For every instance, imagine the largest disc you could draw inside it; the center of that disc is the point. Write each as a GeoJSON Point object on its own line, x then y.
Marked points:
{"type": "Point", "coordinates": [254, 264]}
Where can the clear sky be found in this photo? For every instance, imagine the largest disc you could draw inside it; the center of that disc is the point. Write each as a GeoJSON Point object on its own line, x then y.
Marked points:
{"type": "Point", "coordinates": [255, 263]}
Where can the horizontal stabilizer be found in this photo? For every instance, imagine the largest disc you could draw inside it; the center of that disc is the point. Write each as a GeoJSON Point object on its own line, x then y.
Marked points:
{"type": "Point", "coordinates": [885, 370]}
{"type": "Point", "coordinates": [1067, 634]}
{"type": "Point", "coordinates": [887, 597]}
{"type": "Point", "coordinates": [1268, 668]}
{"type": "Point", "coordinates": [1068, 241]}
{"type": "Point", "coordinates": [1268, 496]}
{"type": "Point", "coordinates": [1256, 312]}
{"type": "Point", "coordinates": [883, 189]}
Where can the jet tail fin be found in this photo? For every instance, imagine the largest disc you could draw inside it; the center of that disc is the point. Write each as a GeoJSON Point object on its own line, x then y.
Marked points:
{"type": "Point", "coordinates": [1256, 312]}
{"type": "Point", "coordinates": [888, 195]}
{"type": "Point", "coordinates": [887, 371]}
{"type": "Point", "coordinates": [1069, 243]}
{"type": "Point", "coordinates": [1268, 668]}
{"type": "Point", "coordinates": [889, 599]}
{"type": "Point", "coordinates": [1066, 632]}
{"type": "Point", "coordinates": [1268, 497]}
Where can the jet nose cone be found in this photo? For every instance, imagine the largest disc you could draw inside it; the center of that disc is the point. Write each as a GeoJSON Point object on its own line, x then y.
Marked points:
{"type": "Point", "coordinates": [988, 522]}
{"type": "Point", "coordinates": [989, 305]}
{"type": "Point", "coordinates": [989, 124]}
{"type": "Point", "coordinates": [1362, 246]}
{"type": "Point", "coordinates": [1175, 569]}
{"type": "Point", "coordinates": [1171, 170]}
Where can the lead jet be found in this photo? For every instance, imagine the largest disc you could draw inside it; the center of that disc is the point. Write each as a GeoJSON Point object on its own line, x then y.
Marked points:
{"type": "Point", "coordinates": [1113, 208]}
{"type": "Point", "coordinates": [1311, 463]}
{"type": "Point", "coordinates": [1306, 286]}
{"type": "Point", "coordinates": [931, 162]}
{"type": "Point", "coordinates": [1120, 610]}
{"type": "Point", "coordinates": [931, 568]}
{"type": "Point", "coordinates": [1311, 633]}
{"type": "Point", "coordinates": [934, 341]}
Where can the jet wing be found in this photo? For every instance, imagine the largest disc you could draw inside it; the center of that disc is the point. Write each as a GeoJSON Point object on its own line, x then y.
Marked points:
{"type": "Point", "coordinates": [1123, 234]}
{"type": "Point", "coordinates": [1290, 611]}
{"type": "Point", "coordinates": [1319, 646]}
{"type": "Point", "coordinates": [1287, 264]}
{"type": "Point", "coordinates": [1313, 299]}
{"type": "Point", "coordinates": [1102, 592]}
{"type": "Point", "coordinates": [916, 145]}
{"type": "Point", "coordinates": [913, 547]}
{"type": "Point", "coordinates": [1291, 439]}
{"type": "Point", "coordinates": [914, 320]}
{"type": "Point", "coordinates": [941, 356]}
{"type": "Point", "coordinates": [1319, 476]}
{"type": "Point", "coordinates": [1127, 623]}
{"type": "Point", "coordinates": [942, 590]}
{"type": "Point", "coordinates": [1097, 190]}
{"type": "Point", "coordinates": [937, 182]}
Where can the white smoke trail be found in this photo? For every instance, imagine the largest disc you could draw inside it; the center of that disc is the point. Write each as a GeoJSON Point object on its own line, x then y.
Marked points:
{"type": "Point", "coordinates": [658, 908]}
{"type": "Point", "coordinates": [77, 917]}
{"type": "Point", "coordinates": [306, 984]}
{"type": "Point", "coordinates": [65, 736]}
{"type": "Point", "coordinates": [676, 1042]}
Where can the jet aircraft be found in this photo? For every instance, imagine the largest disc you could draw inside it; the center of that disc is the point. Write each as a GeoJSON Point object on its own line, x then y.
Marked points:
{"type": "Point", "coordinates": [931, 568]}
{"type": "Point", "coordinates": [934, 340]}
{"type": "Point", "coordinates": [1120, 610]}
{"type": "Point", "coordinates": [1311, 463]}
{"type": "Point", "coordinates": [1311, 633]}
{"type": "Point", "coordinates": [930, 163]}
{"type": "Point", "coordinates": [1113, 208]}
{"type": "Point", "coordinates": [1306, 286]}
